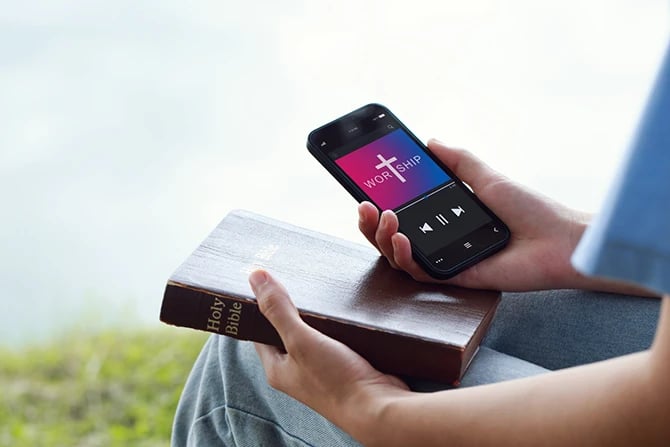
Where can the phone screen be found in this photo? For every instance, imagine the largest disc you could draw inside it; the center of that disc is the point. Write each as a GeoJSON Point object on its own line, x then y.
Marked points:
{"type": "Point", "coordinates": [378, 159]}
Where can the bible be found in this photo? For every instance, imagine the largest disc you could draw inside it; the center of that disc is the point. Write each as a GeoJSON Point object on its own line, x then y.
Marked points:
{"type": "Point", "coordinates": [343, 289]}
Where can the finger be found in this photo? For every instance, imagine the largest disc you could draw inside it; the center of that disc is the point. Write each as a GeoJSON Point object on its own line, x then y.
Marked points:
{"type": "Point", "coordinates": [275, 304]}
{"type": "Point", "coordinates": [465, 165]}
{"type": "Point", "coordinates": [402, 256]}
{"type": "Point", "coordinates": [368, 220]}
{"type": "Point", "coordinates": [388, 226]}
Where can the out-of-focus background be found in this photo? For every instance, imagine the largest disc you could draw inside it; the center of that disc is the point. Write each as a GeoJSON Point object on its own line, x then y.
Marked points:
{"type": "Point", "coordinates": [128, 129]}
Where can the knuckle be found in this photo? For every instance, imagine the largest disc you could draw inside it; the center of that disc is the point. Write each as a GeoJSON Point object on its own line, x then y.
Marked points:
{"type": "Point", "coordinates": [271, 302]}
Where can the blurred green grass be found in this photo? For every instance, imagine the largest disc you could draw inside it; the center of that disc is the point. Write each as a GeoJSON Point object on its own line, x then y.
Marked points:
{"type": "Point", "coordinates": [117, 387]}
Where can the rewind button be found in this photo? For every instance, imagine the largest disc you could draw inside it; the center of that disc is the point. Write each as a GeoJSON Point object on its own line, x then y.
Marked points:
{"type": "Point", "coordinates": [425, 228]}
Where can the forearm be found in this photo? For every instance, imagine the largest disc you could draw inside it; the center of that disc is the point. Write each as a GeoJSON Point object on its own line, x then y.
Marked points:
{"type": "Point", "coordinates": [609, 403]}
{"type": "Point", "coordinates": [623, 401]}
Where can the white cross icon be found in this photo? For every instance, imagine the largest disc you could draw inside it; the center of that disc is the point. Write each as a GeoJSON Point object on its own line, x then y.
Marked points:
{"type": "Point", "coordinates": [387, 164]}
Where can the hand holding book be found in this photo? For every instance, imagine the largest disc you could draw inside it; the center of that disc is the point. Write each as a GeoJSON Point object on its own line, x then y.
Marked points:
{"type": "Point", "coordinates": [397, 324]}
{"type": "Point", "coordinates": [328, 385]}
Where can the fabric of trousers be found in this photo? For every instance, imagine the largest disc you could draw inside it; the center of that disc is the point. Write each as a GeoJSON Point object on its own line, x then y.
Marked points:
{"type": "Point", "coordinates": [227, 401]}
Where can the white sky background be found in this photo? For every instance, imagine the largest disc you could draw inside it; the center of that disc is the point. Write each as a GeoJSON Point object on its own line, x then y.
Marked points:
{"type": "Point", "coordinates": [130, 128]}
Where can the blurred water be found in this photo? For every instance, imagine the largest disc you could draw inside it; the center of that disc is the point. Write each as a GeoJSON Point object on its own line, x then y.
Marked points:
{"type": "Point", "coordinates": [129, 129]}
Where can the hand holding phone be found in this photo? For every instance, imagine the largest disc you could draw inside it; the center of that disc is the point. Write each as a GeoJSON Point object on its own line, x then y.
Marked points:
{"type": "Point", "coordinates": [377, 159]}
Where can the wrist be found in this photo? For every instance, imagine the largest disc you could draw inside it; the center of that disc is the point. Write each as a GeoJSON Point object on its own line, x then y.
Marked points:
{"type": "Point", "coordinates": [571, 278]}
{"type": "Point", "coordinates": [559, 272]}
{"type": "Point", "coordinates": [368, 413]}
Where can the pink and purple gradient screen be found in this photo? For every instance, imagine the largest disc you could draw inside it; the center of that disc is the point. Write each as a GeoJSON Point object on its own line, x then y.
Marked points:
{"type": "Point", "coordinates": [383, 185]}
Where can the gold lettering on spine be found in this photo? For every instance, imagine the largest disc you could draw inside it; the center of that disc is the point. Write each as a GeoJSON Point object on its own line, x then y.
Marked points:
{"type": "Point", "coordinates": [233, 320]}
{"type": "Point", "coordinates": [215, 314]}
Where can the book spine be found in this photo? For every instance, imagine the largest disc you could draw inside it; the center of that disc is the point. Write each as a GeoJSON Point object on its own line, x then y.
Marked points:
{"type": "Point", "coordinates": [241, 318]}
{"type": "Point", "coordinates": [234, 317]}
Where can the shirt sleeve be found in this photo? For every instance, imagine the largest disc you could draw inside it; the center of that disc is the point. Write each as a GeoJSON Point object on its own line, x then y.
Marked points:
{"type": "Point", "coordinates": [630, 239]}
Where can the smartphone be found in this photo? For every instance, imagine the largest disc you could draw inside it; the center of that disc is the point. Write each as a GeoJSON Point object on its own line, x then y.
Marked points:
{"type": "Point", "coordinates": [376, 158]}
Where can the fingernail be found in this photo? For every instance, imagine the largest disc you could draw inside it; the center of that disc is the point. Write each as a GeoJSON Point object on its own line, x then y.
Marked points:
{"type": "Point", "coordinates": [258, 278]}
{"type": "Point", "coordinates": [383, 219]}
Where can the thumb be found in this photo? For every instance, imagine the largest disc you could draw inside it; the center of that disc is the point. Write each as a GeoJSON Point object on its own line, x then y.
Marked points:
{"type": "Point", "coordinates": [465, 165]}
{"type": "Point", "coordinates": [276, 305]}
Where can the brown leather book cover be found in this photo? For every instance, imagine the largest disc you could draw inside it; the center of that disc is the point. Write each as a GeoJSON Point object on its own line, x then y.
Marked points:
{"type": "Point", "coordinates": [343, 289]}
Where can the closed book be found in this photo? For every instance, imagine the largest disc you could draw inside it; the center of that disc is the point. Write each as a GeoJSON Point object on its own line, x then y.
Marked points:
{"type": "Point", "coordinates": [343, 289]}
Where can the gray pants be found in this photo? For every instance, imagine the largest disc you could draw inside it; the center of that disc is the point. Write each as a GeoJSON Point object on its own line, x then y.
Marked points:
{"type": "Point", "coordinates": [226, 400]}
